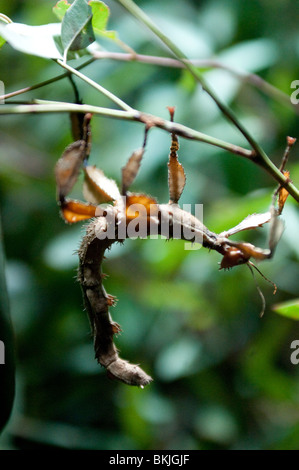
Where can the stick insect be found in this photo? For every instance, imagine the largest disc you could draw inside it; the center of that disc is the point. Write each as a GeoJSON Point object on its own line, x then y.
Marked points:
{"type": "Point", "coordinates": [112, 210]}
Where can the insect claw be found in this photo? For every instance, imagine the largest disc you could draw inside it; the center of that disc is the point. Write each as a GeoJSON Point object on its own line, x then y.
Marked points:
{"type": "Point", "coordinates": [116, 328]}
{"type": "Point", "coordinates": [111, 300]}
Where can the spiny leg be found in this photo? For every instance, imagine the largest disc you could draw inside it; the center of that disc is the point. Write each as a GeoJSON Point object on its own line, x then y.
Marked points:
{"type": "Point", "coordinates": [66, 173]}
{"type": "Point", "coordinates": [176, 173]}
{"type": "Point", "coordinates": [130, 170]}
{"type": "Point", "coordinates": [281, 191]}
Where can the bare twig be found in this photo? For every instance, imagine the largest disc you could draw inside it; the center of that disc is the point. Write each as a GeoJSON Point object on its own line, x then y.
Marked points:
{"type": "Point", "coordinates": [42, 106]}
{"type": "Point", "coordinates": [43, 83]}
{"type": "Point", "coordinates": [95, 85]}
{"type": "Point", "coordinates": [258, 155]}
{"type": "Point", "coordinates": [138, 13]}
{"type": "Point", "coordinates": [251, 78]}
{"type": "Point", "coordinates": [245, 77]}
{"type": "Point", "coordinates": [149, 120]}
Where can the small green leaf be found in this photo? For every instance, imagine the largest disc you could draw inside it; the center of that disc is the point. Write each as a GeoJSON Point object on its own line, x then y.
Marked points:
{"type": "Point", "coordinates": [35, 40]}
{"type": "Point", "coordinates": [179, 359]}
{"type": "Point", "coordinates": [76, 27]}
{"type": "Point", "coordinates": [100, 13]}
{"type": "Point", "coordinates": [100, 17]}
{"type": "Point", "coordinates": [288, 309]}
{"type": "Point", "coordinates": [252, 55]}
{"type": "Point", "coordinates": [60, 8]}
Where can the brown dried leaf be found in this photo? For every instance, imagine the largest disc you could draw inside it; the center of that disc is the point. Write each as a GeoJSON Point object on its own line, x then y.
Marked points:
{"type": "Point", "coordinates": [130, 170]}
{"type": "Point", "coordinates": [97, 188]}
{"type": "Point", "coordinates": [67, 168]}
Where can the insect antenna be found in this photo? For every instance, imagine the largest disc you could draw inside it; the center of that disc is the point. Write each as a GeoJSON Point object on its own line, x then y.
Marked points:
{"type": "Point", "coordinates": [250, 266]}
{"type": "Point", "coordinates": [259, 291]}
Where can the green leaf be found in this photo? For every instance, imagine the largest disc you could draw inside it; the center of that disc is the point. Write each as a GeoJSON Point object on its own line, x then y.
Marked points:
{"type": "Point", "coordinates": [76, 27]}
{"type": "Point", "coordinates": [252, 55]}
{"type": "Point", "coordinates": [7, 370]}
{"type": "Point", "coordinates": [179, 359]}
{"type": "Point", "coordinates": [288, 309]}
{"type": "Point", "coordinates": [4, 19]}
{"type": "Point", "coordinates": [100, 13]}
{"type": "Point", "coordinates": [60, 8]}
{"type": "Point", "coordinates": [36, 40]}
{"type": "Point", "coordinates": [100, 17]}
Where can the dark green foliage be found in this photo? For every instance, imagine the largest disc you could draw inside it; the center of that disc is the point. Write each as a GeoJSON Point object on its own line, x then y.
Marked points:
{"type": "Point", "coordinates": [7, 369]}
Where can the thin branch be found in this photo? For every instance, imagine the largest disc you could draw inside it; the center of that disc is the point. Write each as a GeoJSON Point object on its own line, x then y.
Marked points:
{"type": "Point", "coordinates": [76, 91]}
{"type": "Point", "coordinates": [95, 85]}
{"type": "Point", "coordinates": [43, 106]}
{"type": "Point", "coordinates": [251, 78]}
{"type": "Point", "coordinates": [44, 83]}
{"type": "Point", "coordinates": [138, 13]}
{"type": "Point", "coordinates": [152, 121]}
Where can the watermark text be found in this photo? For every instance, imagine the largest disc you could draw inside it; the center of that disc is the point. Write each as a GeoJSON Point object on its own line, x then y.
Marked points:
{"type": "Point", "coordinates": [2, 92]}
{"type": "Point", "coordinates": [295, 94]}
{"type": "Point", "coordinates": [2, 353]}
{"type": "Point", "coordinates": [141, 221]}
{"type": "Point", "coordinates": [295, 354]}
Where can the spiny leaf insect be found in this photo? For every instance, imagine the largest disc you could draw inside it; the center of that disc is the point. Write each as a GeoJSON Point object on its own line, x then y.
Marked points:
{"type": "Point", "coordinates": [112, 210]}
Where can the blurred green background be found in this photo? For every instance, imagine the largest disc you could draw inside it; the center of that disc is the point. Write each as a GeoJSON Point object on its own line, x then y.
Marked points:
{"type": "Point", "coordinates": [223, 378]}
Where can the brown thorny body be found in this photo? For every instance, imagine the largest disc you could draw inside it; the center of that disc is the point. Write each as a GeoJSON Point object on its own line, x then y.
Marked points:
{"type": "Point", "coordinates": [97, 301]}
{"type": "Point", "coordinates": [97, 188]}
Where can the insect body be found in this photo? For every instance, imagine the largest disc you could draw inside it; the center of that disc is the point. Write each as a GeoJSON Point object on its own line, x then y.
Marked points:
{"type": "Point", "coordinates": [113, 221]}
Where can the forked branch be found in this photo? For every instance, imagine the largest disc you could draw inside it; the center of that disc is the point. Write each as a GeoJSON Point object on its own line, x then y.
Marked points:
{"type": "Point", "coordinates": [42, 106]}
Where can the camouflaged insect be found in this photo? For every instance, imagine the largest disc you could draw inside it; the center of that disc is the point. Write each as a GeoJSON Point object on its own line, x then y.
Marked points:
{"type": "Point", "coordinates": [114, 217]}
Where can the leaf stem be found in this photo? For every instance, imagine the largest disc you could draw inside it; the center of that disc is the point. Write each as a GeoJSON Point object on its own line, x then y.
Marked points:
{"type": "Point", "coordinates": [44, 106]}
{"type": "Point", "coordinates": [45, 82]}
{"type": "Point", "coordinates": [95, 85]}
{"type": "Point", "coordinates": [250, 78]}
